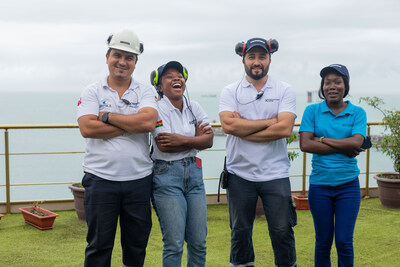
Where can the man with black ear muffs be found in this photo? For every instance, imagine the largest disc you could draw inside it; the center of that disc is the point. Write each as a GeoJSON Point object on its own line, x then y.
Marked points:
{"type": "Point", "coordinates": [257, 113]}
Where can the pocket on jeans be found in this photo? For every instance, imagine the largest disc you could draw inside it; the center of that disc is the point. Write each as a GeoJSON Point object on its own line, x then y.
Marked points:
{"type": "Point", "coordinates": [293, 214]}
{"type": "Point", "coordinates": [160, 167]}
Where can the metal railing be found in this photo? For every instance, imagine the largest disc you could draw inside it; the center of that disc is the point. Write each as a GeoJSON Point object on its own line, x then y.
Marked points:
{"type": "Point", "coordinates": [7, 155]}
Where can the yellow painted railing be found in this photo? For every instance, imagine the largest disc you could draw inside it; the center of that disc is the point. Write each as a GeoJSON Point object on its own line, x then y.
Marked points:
{"type": "Point", "coordinates": [7, 155]}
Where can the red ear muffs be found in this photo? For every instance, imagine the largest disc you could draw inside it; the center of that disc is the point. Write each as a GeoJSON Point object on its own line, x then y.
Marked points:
{"type": "Point", "coordinates": [244, 48]}
{"type": "Point", "coordinates": [240, 48]}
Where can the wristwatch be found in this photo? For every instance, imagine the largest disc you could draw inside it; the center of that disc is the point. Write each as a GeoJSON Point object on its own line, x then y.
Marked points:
{"type": "Point", "coordinates": [104, 118]}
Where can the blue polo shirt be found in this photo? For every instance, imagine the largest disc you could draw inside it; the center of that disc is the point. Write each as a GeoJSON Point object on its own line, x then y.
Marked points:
{"type": "Point", "coordinates": [335, 168]}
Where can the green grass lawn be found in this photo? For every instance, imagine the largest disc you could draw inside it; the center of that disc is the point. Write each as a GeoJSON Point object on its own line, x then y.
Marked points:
{"type": "Point", "coordinates": [376, 240]}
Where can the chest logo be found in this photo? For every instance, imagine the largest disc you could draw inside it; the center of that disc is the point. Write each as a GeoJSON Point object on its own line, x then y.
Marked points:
{"type": "Point", "coordinates": [105, 103]}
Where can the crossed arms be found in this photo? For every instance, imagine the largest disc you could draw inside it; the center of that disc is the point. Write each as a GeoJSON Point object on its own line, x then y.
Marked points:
{"type": "Point", "coordinates": [173, 142]}
{"type": "Point", "coordinates": [257, 130]}
{"type": "Point", "coordinates": [350, 146]}
{"type": "Point", "coordinates": [144, 121]}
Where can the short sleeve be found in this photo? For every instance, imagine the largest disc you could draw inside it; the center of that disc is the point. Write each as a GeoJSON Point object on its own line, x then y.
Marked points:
{"type": "Point", "coordinates": [227, 100]}
{"type": "Point", "coordinates": [199, 113]}
{"type": "Point", "coordinates": [88, 103]}
{"type": "Point", "coordinates": [148, 98]}
{"type": "Point", "coordinates": [308, 120]}
{"type": "Point", "coordinates": [360, 123]}
{"type": "Point", "coordinates": [163, 124]}
{"type": "Point", "coordinates": [288, 103]}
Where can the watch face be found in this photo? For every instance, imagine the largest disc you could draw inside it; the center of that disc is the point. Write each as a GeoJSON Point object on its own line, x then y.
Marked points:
{"type": "Point", "coordinates": [104, 118]}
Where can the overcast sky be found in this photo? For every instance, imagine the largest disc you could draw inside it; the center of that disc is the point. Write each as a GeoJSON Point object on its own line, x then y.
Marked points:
{"type": "Point", "coordinates": [60, 45]}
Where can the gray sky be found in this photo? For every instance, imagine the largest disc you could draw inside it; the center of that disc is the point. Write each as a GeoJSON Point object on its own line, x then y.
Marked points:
{"type": "Point", "coordinates": [60, 45]}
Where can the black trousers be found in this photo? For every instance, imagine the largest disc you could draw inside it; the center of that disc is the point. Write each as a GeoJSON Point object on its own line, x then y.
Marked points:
{"type": "Point", "coordinates": [105, 201]}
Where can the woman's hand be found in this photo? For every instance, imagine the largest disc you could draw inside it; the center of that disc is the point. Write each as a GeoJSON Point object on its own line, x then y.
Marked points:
{"type": "Point", "coordinates": [170, 139]}
{"type": "Point", "coordinates": [202, 129]}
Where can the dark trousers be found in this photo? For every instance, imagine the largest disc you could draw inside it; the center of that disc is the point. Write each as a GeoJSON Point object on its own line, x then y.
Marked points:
{"type": "Point", "coordinates": [334, 210]}
{"type": "Point", "coordinates": [105, 201]}
{"type": "Point", "coordinates": [279, 212]}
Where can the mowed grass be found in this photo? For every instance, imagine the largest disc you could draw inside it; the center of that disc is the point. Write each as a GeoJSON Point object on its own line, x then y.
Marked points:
{"type": "Point", "coordinates": [376, 240]}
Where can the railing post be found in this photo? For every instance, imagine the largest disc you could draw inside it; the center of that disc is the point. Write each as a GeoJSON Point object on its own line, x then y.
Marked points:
{"type": "Point", "coordinates": [7, 168]}
{"type": "Point", "coordinates": [367, 165]}
{"type": "Point", "coordinates": [304, 173]}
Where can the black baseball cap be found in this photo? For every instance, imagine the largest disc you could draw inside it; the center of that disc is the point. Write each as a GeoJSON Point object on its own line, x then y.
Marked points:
{"type": "Point", "coordinates": [341, 69]}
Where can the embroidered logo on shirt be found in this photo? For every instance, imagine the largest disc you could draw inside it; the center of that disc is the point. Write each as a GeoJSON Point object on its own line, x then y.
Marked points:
{"type": "Point", "coordinates": [80, 101]}
{"type": "Point", "coordinates": [155, 97]}
{"type": "Point", "coordinates": [271, 99]}
{"type": "Point", "coordinates": [105, 103]}
{"type": "Point", "coordinates": [159, 123]}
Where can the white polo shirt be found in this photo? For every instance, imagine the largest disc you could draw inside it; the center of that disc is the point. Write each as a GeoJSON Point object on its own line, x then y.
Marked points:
{"type": "Point", "coordinates": [171, 120]}
{"type": "Point", "coordinates": [258, 161]}
{"type": "Point", "coordinates": [125, 157]}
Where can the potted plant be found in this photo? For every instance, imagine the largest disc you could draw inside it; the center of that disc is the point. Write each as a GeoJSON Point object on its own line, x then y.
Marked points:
{"type": "Point", "coordinates": [78, 191]}
{"type": "Point", "coordinates": [38, 217]}
{"type": "Point", "coordinates": [388, 183]}
{"type": "Point", "coordinates": [301, 201]}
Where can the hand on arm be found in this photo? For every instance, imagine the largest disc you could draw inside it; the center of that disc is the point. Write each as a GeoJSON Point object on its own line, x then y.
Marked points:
{"type": "Point", "coordinates": [233, 124]}
{"type": "Point", "coordinates": [143, 121]}
{"type": "Point", "coordinates": [91, 127]}
{"type": "Point", "coordinates": [349, 146]}
{"type": "Point", "coordinates": [172, 142]}
{"type": "Point", "coordinates": [282, 129]}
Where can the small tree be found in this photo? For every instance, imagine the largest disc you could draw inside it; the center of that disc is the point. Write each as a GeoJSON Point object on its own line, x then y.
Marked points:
{"type": "Point", "coordinates": [390, 144]}
{"type": "Point", "coordinates": [292, 154]}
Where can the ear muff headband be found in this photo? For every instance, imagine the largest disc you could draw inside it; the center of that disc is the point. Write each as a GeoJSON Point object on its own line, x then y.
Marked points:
{"type": "Point", "coordinates": [272, 46]}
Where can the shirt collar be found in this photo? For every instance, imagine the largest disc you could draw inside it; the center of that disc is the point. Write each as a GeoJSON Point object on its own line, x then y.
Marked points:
{"type": "Point", "coordinates": [348, 110]}
{"type": "Point", "coordinates": [172, 107]}
{"type": "Point", "coordinates": [132, 86]}
{"type": "Point", "coordinates": [267, 85]}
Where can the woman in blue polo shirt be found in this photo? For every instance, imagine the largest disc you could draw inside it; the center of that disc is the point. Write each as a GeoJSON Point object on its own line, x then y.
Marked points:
{"type": "Point", "coordinates": [179, 196]}
{"type": "Point", "coordinates": [334, 131]}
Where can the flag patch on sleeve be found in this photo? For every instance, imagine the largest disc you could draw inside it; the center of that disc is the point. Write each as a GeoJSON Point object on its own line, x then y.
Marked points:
{"type": "Point", "coordinates": [159, 123]}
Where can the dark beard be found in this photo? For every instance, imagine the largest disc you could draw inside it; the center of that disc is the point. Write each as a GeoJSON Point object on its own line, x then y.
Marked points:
{"type": "Point", "coordinates": [257, 76]}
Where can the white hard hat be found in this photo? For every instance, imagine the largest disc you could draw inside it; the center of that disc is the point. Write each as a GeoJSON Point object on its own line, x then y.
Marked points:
{"type": "Point", "coordinates": [126, 40]}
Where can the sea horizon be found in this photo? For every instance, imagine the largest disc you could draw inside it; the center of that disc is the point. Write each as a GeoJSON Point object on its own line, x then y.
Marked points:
{"type": "Point", "coordinates": [60, 108]}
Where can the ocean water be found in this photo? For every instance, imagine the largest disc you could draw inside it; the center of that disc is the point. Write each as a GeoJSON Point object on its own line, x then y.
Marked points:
{"type": "Point", "coordinates": [60, 108]}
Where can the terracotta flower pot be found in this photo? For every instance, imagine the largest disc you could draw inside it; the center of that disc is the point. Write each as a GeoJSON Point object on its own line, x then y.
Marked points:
{"type": "Point", "coordinates": [44, 222]}
{"type": "Point", "coordinates": [301, 202]}
{"type": "Point", "coordinates": [389, 190]}
{"type": "Point", "coordinates": [79, 195]}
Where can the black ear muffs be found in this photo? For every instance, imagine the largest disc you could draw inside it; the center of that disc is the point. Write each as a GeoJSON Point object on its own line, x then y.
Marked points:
{"type": "Point", "coordinates": [240, 48]}
{"type": "Point", "coordinates": [141, 48]}
{"type": "Point", "coordinates": [272, 46]}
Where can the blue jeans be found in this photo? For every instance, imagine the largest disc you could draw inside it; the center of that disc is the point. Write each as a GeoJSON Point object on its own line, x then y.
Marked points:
{"type": "Point", "coordinates": [105, 201]}
{"type": "Point", "coordinates": [180, 202]}
{"type": "Point", "coordinates": [280, 214]}
{"type": "Point", "coordinates": [334, 210]}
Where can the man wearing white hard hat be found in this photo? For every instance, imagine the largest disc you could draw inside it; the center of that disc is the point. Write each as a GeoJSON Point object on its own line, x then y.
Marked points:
{"type": "Point", "coordinates": [115, 115]}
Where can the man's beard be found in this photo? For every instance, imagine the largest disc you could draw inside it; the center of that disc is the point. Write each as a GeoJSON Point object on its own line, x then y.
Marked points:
{"type": "Point", "coordinates": [259, 76]}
